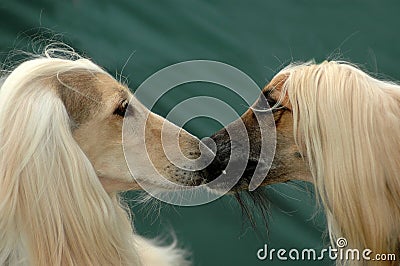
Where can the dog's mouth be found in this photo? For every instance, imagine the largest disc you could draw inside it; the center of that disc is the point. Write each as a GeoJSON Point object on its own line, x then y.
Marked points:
{"type": "Point", "coordinates": [233, 178]}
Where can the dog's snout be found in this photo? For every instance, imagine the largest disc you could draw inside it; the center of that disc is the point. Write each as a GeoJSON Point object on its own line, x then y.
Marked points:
{"type": "Point", "coordinates": [237, 154]}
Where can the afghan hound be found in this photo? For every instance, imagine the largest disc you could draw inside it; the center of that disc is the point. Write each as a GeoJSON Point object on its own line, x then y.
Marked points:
{"type": "Point", "coordinates": [62, 167]}
{"type": "Point", "coordinates": [339, 128]}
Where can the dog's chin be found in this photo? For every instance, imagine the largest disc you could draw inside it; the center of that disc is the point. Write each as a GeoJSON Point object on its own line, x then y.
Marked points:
{"type": "Point", "coordinates": [252, 203]}
{"type": "Point", "coordinates": [226, 188]}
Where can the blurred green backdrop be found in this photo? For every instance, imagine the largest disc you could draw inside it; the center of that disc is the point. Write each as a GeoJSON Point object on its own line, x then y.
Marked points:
{"type": "Point", "coordinates": [258, 37]}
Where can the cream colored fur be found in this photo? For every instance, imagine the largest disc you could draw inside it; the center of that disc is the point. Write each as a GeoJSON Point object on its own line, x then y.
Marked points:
{"type": "Point", "coordinates": [59, 201]}
{"type": "Point", "coordinates": [347, 125]}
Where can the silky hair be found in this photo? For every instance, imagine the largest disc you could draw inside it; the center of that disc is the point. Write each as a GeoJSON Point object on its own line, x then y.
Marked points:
{"type": "Point", "coordinates": [50, 194]}
{"type": "Point", "coordinates": [347, 126]}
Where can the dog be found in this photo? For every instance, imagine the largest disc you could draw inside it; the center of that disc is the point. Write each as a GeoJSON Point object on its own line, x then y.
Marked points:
{"type": "Point", "coordinates": [62, 167]}
{"type": "Point", "coordinates": [339, 128]}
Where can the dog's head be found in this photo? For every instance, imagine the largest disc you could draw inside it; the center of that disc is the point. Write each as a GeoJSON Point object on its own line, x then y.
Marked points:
{"type": "Point", "coordinates": [337, 127]}
{"type": "Point", "coordinates": [96, 105]}
{"type": "Point", "coordinates": [288, 163]}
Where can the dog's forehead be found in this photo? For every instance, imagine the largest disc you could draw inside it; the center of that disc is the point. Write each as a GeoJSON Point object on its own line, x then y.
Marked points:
{"type": "Point", "coordinates": [85, 93]}
{"type": "Point", "coordinates": [109, 87]}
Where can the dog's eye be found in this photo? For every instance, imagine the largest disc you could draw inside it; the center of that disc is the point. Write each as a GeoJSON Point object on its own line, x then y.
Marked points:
{"type": "Point", "coordinates": [121, 109]}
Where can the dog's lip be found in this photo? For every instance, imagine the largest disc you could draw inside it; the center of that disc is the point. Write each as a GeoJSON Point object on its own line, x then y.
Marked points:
{"type": "Point", "coordinates": [247, 172]}
{"type": "Point", "coordinates": [251, 165]}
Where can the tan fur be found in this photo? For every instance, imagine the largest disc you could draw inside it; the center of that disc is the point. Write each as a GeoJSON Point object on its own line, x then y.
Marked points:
{"type": "Point", "coordinates": [99, 133]}
{"type": "Point", "coordinates": [288, 163]}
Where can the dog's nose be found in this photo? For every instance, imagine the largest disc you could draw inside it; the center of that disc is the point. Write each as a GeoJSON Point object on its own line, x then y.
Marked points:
{"type": "Point", "coordinates": [220, 144]}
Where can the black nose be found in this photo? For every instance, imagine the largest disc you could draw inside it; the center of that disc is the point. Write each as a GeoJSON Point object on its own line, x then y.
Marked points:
{"type": "Point", "coordinates": [222, 150]}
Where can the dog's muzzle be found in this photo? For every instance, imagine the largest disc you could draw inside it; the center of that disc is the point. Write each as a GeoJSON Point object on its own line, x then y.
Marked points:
{"type": "Point", "coordinates": [242, 159]}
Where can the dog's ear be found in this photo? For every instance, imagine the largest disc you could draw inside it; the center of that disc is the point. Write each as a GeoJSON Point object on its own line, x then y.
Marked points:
{"type": "Point", "coordinates": [78, 89]}
{"type": "Point", "coordinates": [50, 193]}
{"type": "Point", "coordinates": [276, 90]}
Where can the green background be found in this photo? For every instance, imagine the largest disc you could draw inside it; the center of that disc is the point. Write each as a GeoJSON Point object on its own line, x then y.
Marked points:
{"type": "Point", "coordinates": [258, 37]}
